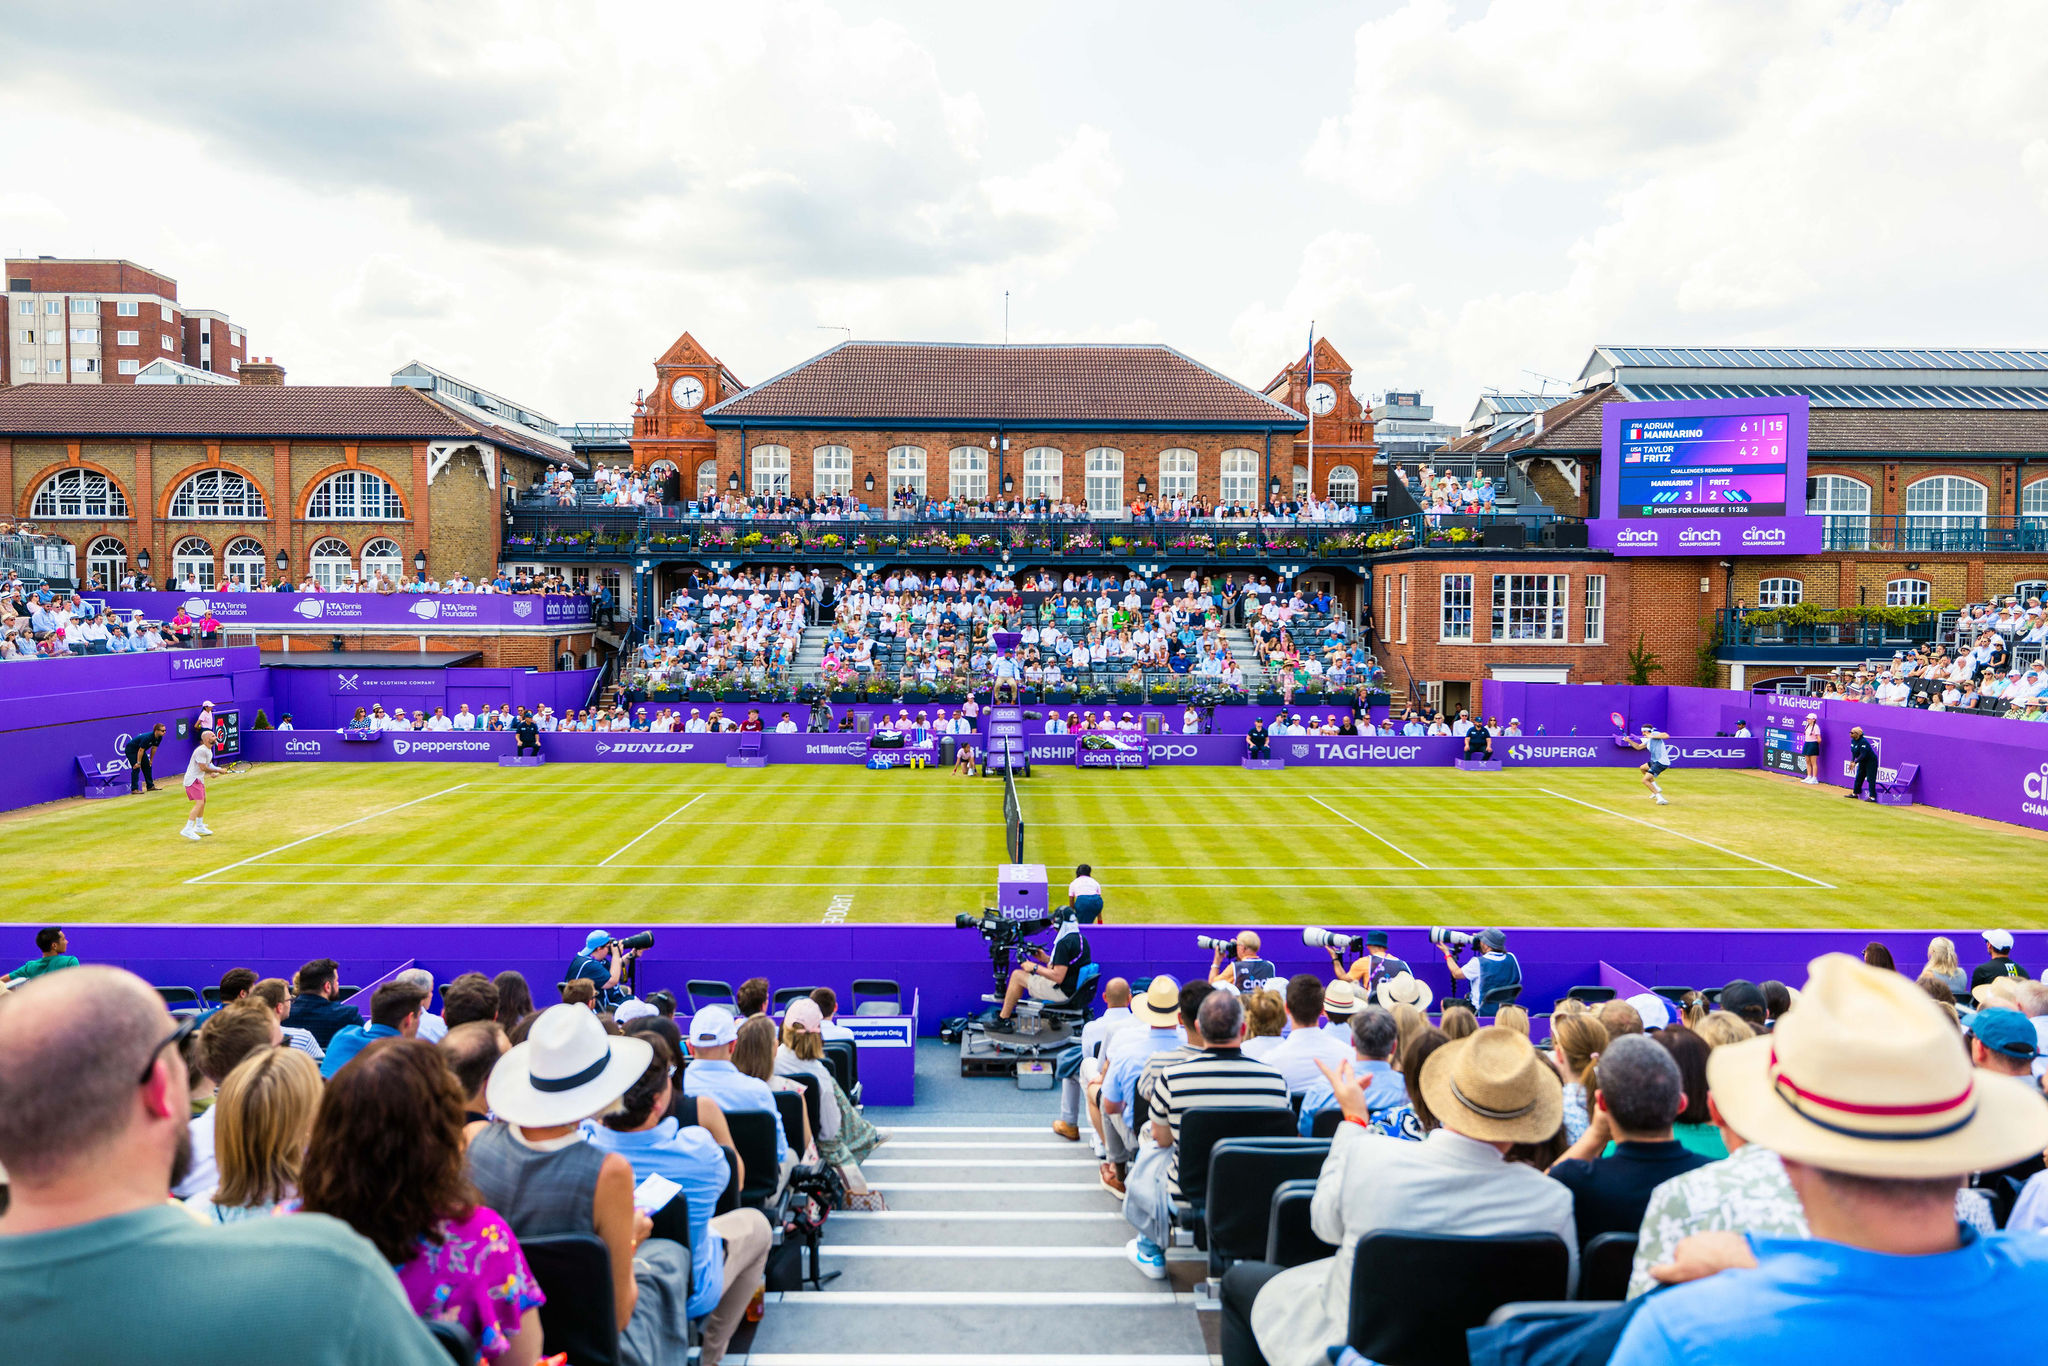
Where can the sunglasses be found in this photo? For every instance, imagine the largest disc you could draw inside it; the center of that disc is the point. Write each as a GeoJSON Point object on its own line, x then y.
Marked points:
{"type": "Point", "coordinates": [176, 1036]}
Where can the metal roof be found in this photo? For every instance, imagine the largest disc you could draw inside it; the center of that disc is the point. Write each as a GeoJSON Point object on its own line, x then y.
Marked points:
{"type": "Point", "coordinates": [1824, 358]}
{"type": "Point", "coordinates": [1856, 395]}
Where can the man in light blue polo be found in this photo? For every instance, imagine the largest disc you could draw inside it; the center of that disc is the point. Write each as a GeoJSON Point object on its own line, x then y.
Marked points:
{"type": "Point", "coordinates": [713, 1032]}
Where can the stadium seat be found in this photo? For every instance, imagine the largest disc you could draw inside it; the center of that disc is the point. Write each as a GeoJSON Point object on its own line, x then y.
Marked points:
{"type": "Point", "coordinates": [753, 1135]}
{"type": "Point", "coordinates": [574, 1270]}
{"type": "Point", "coordinates": [1591, 996]}
{"type": "Point", "coordinates": [784, 995]}
{"type": "Point", "coordinates": [729, 1198]}
{"type": "Point", "coordinates": [790, 1105]}
{"type": "Point", "coordinates": [814, 1097]}
{"type": "Point", "coordinates": [458, 1342]}
{"type": "Point", "coordinates": [179, 996]}
{"type": "Point", "coordinates": [343, 993]}
{"type": "Point", "coordinates": [877, 996]}
{"type": "Point", "coordinates": [1200, 1131]}
{"type": "Point", "coordinates": [1290, 1237]}
{"type": "Point", "coordinates": [1604, 1266]}
{"type": "Point", "coordinates": [703, 991]}
{"type": "Point", "coordinates": [1500, 996]}
{"type": "Point", "coordinates": [843, 1057]}
{"type": "Point", "coordinates": [1324, 1125]}
{"type": "Point", "coordinates": [1243, 1174]}
{"type": "Point", "coordinates": [211, 995]}
{"type": "Point", "coordinates": [1413, 1295]}
{"type": "Point", "coordinates": [1675, 995]}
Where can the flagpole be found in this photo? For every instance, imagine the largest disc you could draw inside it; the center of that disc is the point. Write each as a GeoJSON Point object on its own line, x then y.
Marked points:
{"type": "Point", "coordinates": [1309, 403]}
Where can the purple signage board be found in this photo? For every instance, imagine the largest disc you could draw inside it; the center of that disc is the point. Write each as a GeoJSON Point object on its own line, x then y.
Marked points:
{"type": "Point", "coordinates": [1705, 477]}
{"type": "Point", "coordinates": [320, 611]}
{"type": "Point", "coordinates": [487, 747]}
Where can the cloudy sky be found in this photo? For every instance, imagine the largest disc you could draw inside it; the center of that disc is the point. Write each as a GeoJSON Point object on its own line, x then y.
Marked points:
{"type": "Point", "coordinates": [541, 196]}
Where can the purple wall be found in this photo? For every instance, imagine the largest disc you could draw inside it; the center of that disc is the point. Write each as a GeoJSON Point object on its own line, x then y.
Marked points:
{"type": "Point", "coordinates": [314, 612]}
{"type": "Point", "coordinates": [951, 966]}
{"type": "Point", "coordinates": [323, 699]}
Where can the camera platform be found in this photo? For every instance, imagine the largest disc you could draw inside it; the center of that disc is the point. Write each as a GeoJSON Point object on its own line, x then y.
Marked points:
{"type": "Point", "coordinates": [520, 761]}
{"type": "Point", "coordinates": [983, 1054]}
{"type": "Point", "coordinates": [1478, 765]}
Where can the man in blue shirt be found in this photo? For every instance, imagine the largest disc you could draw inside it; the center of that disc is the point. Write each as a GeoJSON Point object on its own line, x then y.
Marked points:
{"type": "Point", "coordinates": [394, 1013]}
{"type": "Point", "coordinates": [1374, 1036]}
{"type": "Point", "coordinates": [1659, 745]}
{"type": "Point", "coordinates": [711, 1073]}
{"type": "Point", "coordinates": [1878, 1116]}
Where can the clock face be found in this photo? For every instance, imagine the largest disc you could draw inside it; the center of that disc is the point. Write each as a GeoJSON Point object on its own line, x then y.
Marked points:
{"type": "Point", "coordinates": [1321, 398]}
{"type": "Point", "coordinates": [688, 391]}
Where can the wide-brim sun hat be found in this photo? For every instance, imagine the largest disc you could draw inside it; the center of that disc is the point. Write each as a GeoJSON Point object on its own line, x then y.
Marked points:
{"type": "Point", "coordinates": [1491, 1086]}
{"type": "Point", "coordinates": [1340, 999]}
{"type": "Point", "coordinates": [568, 1069]}
{"type": "Point", "coordinates": [1406, 989]}
{"type": "Point", "coordinates": [1866, 1078]}
{"type": "Point", "coordinates": [1160, 1005]}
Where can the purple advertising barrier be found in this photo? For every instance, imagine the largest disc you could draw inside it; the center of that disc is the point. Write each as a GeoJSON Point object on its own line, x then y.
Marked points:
{"type": "Point", "coordinates": [489, 746]}
{"type": "Point", "coordinates": [1704, 477]}
{"type": "Point", "coordinates": [325, 698]}
{"type": "Point", "coordinates": [319, 611]}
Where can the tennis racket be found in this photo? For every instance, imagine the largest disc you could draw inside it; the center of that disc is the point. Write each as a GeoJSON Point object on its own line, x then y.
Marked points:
{"type": "Point", "coordinates": [1620, 722]}
{"type": "Point", "coordinates": [238, 767]}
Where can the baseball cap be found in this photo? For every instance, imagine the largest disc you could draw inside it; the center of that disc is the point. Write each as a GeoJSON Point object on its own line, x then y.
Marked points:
{"type": "Point", "coordinates": [804, 1014]}
{"type": "Point", "coordinates": [596, 939]}
{"type": "Point", "coordinates": [1998, 939]}
{"type": "Point", "coordinates": [633, 1010]}
{"type": "Point", "coordinates": [1655, 1010]}
{"type": "Point", "coordinates": [2005, 1031]}
{"type": "Point", "coordinates": [713, 1027]}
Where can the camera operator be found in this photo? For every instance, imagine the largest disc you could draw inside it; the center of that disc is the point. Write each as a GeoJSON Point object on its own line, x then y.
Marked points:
{"type": "Point", "coordinates": [1243, 968]}
{"type": "Point", "coordinates": [602, 962]}
{"type": "Point", "coordinates": [1376, 967]}
{"type": "Point", "coordinates": [1050, 979]}
{"type": "Point", "coordinates": [1494, 969]}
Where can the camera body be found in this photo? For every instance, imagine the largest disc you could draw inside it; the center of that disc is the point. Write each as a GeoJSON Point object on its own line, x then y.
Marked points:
{"type": "Point", "coordinates": [1455, 940]}
{"type": "Point", "coordinates": [1330, 939]}
{"type": "Point", "coordinates": [1001, 933]}
{"type": "Point", "coordinates": [1223, 944]}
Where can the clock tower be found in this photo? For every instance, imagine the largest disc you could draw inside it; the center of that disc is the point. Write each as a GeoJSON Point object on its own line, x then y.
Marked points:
{"type": "Point", "coordinates": [668, 420]}
{"type": "Point", "coordinates": [1338, 463]}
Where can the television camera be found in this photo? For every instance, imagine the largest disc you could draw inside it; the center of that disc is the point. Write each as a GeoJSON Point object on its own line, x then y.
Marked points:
{"type": "Point", "coordinates": [1006, 936]}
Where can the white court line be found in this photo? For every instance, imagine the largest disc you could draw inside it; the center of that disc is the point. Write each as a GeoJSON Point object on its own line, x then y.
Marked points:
{"type": "Point", "coordinates": [1180, 886]}
{"type": "Point", "coordinates": [651, 829]}
{"type": "Point", "coordinates": [826, 870]}
{"type": "Point", "coordinates": [1717, 848]}
{"type": "Point", "coordinates": [343, 826]}
{"type": "Point", "coordinates": [1368, 830]}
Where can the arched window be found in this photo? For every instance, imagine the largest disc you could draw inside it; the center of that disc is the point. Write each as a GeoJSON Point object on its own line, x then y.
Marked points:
{"type": "Point", "coordinates": [967, 472]}
{"type": "Point", "coordinates": [79, 493]}
{"type": "Point", "coordinates": [1176, 473]}
{"type": "Point", "coordinates": [106, 560]}
{"type": "Point", "coordinates": [2028, 590]}
{"type": "Point", "coordinates": [1780, 593]}
{"type": "Point", "coordinates": [191, 566]}
{"type": "Point", "coordinates": [1301, 486]}
{"type": "Point", "coordinates": [354, 496]}
{"type": "Point", "coordinates": [245, 563]}
{"type": "Point", "coordinates": [2034, 499]}
{"type": "Point", "coordinates": [1343, 484]}
{"type": "Point", "coordinates": [831, 471]}
{"type": "Point", "coordinates": [1845, 502]}
{"type": "Point", "coordinates": [1907, 593]}
{"type": "Point", "coordinates": [707, 481]}
{"type": "Point", "coordinates": [770, 466]}
{"type": "Point", "coordinates": [331, 564]}
{"type": "Point", "coordinates": [217, 496]}
{"type": "Point", "coordinates": [382, 555]}
{"type": "Point", "coordinates": [906, 469]}
{"type": "Point", "coordinates": [1945, 502]}
{"type": "Point", "coordinates": [1042, 472]}
{"type": "Point", "coordinates": [1105, 481]}
{"type": "Point", "coordinates": [1240, 481]}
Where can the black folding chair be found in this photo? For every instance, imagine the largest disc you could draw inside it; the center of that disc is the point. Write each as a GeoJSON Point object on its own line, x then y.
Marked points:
{"type": "Point", "coordinates": [877, 996]}
{"type": "Point", "coordinates": [1243, 1174]}
{"type": "Point", "coordinates": [1413, 1295]}
{"type": "Point", "coordinates": [753, 1135]}
{"type": "Point", "coordinates": [1591, 996]}
{"type": "Point", "coordinates": [179, 996]}
{"type": "Point", "coordinates": [844, 1059]}
{"type": "Point", "coordinates": [1200, 1132]}
{"type": "Point", "coordinates": [784, 995]}
{"type": "Point", "coordinates": [703, 991]}
{"type": "Point", "coordinates": [1324, 1125]}
{"type": "Point", "coordinates": [574, 1270]}
{"type": "Point", "coordinates": [1605, 1265]}
{"type": "Point", "coordinates": [343, 993]}
{"type": "Point", "coordinates": [211, 995]}
{"type": "Point", "coordinates": [1291, 1238]}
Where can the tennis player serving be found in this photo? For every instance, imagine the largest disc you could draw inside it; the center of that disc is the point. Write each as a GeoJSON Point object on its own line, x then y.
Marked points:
{"type": "Point", "coordinates": [1658, 743]}
{"type": "Point", "coordinates": [196, 773]}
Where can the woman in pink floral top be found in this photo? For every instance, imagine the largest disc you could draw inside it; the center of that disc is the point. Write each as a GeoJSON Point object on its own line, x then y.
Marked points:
{"type": "Point", "coordinates": [387, 1158]}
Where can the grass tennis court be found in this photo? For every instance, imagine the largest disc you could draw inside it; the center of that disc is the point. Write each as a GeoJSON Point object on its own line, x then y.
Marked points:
{"type": "Point", "coordinates": [418, 843]}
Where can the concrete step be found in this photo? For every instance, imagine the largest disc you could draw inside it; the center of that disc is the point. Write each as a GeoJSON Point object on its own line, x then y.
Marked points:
{"type": "Point", "coordinates": [981, 1228]}
{"type": "Point", "coordinates": [945, 1269]}
{"type": "Point", "coordinates": [855, 1328]}
{"type": "Point", "coordinates": [1068, 1195]}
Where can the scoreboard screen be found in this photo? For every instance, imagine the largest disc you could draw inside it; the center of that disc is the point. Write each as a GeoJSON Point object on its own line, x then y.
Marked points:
{"type": "Point", "coordinates": [1705, 477]}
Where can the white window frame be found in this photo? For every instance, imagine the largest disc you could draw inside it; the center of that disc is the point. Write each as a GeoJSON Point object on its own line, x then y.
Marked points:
{"type": "Point", "coordinates": [79, 495]}
{"type": "Point", "coordinates": [1908, 593]}
{"type": "Point", "coordinates": [54, 365]}
{"type": "Point", "coordinates": [831, 471]}
{"type": "Point", "coordinates": [127, 308]}
{"type": "Point", "coordinates": [1845, 502]}
{"type": "Point", "coordinates": [355, 496]}
{"type": "Point", "coordinates": [85, 336]}
{"type": "Point", "coordinates": [1780, 592]}
{"type": "Point", "coordinates": [108, 556]}
{"type": "Point", "coordinates": [330, 563]}
{"type": "Point", "coordinates": [85, 306]}
{"type": "Point", "coordinates": [907, 469]}
{"type": "Point", "coordinates": [1302, 488]}
{"type": "Point", "coordinates": [1044, 470]}
{"type": "Point", "coordinates": [967, 472]}
{"type": "Point", "coordinates": [217, 495]}
{"type": "Point", "coordinates": [27, 365]}
{"type": "Point", "coordinates": [1945, 503]}
{"type": "Point", "coordinates": [381, 552]}
{"type": "Point", "coordinates": [1454, 620]}
{"type": "Point", "coordinates": [129, 367]}
{"type": "Point", "coordinates": [245, 561]}
{"type": "Point", "coordinates": [1179, 470]}
{"type": "Point", "coordinates": [85, 365]}
{"type": "Point", "coordinates": [53, 308]}
{"type": "Point", "coordinates": [2034, 500]}
{"type": "Point", "coordinates": [1238, 477]}
{"type": "Point", "coordinates": [196, 553]}
{"type": "Point", "coordinates": [1343, 484]}
{"type": "Point", "coordinates": [1103, 481]}
{"type": "Point", "coordinates": [1529, 609]}
{"type": "Point", "coordinates": [166, 340]}
{"type": "Point", "coordinates": [1404, 609]}
{"type": "Point", "coordinates": [707, 481]}
{"type": "Point", "coordinates": [1594, 594]}
{"type": "Point", "coordinates": [126, 338]}
{"type": "Point", "coordinates": [768, 472]}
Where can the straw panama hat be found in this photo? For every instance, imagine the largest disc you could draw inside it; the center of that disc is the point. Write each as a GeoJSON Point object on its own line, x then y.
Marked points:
{"type": "Point", "coordinates": [1491, 1086]}
{"type": "Point", "coordinates": [1865, 1078]}
{"type": "Point", "coordinates": [568, 1069]}
{"type": "Point", "coordinates": [1405, 989]}
{"type": "Point", "coordinates": [1160, 1005]}
{"type": "Point", "coordinates": [1340, 998]}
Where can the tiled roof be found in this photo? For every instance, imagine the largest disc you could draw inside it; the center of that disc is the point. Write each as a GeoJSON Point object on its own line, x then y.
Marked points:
{"type": "Point", "coordinates": [876, 384]}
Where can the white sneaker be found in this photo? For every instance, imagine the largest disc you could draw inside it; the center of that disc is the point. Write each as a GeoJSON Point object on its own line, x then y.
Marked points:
{"type": "Point", "coordinates": [1155, 1270]}
{"type": "Point", "coordinates": [189, 833]}
{"type": "Point", "coordinates": [1662, 802]}
{"type": "Point", "coordinates": [204, 828]}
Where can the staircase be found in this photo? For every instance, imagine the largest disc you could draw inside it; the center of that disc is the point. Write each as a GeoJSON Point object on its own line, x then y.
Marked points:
{"type": "Point", "coordinates": [1239, 640]}
{"type": "Point", "coordinates": [999, 1245]}
{"type": "Point", "coordinates": [810, 653]}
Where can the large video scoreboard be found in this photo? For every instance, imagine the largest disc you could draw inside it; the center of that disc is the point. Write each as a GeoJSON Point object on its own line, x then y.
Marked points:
{"type": "Point", "coordinates": [1714, 477]}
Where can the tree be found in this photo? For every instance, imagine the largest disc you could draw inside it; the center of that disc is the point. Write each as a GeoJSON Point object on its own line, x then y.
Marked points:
{"type": "Point", "coordinates": [1642, 662]}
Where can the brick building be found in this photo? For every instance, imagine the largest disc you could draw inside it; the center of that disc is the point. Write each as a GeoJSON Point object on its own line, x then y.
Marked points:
{"type": "Point", "coordinates": [100, 322]}
{"type": "Point", "coordinates": [245, 483]}
{"type": "Point", "coordinates": [1930, 468]}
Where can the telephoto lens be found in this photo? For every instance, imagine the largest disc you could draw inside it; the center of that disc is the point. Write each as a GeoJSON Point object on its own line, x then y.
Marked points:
{"type": "Point", "coordinates": [1330, 939]}
{"type": "Point", "coordinates": [1216, 944]}
{"type": "Point", "coordinates": [642, 940]}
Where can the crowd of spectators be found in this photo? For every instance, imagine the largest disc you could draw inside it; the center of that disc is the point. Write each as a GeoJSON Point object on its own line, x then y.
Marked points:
{"type": "Point", "coordinates": [1982, 677]}
{"type": "Point", "coordinates": [745, 627]}
{"type": "Point", "coordinates": [1441, 493]}
{"type": "Point", "coordinates": [46, 623]}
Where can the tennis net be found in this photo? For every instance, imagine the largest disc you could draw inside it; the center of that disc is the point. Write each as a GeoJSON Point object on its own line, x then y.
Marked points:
{"type": "Point", "coordinates": [1013, 815]}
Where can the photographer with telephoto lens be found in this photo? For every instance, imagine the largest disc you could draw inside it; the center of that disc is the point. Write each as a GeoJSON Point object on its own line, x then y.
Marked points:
{"type": "Point", "coordinates": [1235, 960]}
{"type": "Point", "coordinates": [1495, 969]}
{"type": "Point", "coordinates": [603, 962]}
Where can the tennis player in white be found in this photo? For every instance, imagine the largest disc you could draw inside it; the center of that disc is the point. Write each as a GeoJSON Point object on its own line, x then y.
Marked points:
{"type": "Point", "coordinates": [1658, 743]}
{"type": "Point", "coordinates": [196, 773]}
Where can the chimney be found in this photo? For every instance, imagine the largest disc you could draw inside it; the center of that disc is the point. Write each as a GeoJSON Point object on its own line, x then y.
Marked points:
{"type": "Point", "coordinates": [265, 371]}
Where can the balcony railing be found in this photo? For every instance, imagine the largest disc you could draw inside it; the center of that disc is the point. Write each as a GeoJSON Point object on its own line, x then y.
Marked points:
{"type": "Point", "coordinates": [1878, 630]}
{"type": "Point", "coordinates": [1933, 535]}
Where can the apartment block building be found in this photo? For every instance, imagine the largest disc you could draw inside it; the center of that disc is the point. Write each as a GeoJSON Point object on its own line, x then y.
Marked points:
{"type": "Point", "coordinates": [102, 321]}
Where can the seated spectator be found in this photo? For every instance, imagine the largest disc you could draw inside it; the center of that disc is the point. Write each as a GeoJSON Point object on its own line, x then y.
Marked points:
{"type": "Point", "coordinates": [314, 1008]}
{"type": "Point", "coordinates": [456, 1258]}
{"type": "Point", "coordinates": [395, 1010]}
{"type": "Point", "coordinates": [236, 983]}
{"type": "Point", "coordinates": [752, 997]}
{"type": "Point", "coordinates": [1576, 1042]}
{"type": "Point", "coordinates": [1745, 1000]}
{"type": "Point", "coordinates": [515, 999]}
{"type": "Point", "coordinates": [469, 998]}
{"type": "Point", "coordinates": [53, 952]}
{"type": "Point", "coordinates": [1411, 1120]}
{"type": "Point", "coordinates": [1722, 1028]}
{"type": "Point", "coordinates": [262, 1117]}
{"type": "Point", "coordinates": [845, 1137]}
{"type": "Point", "coordinates": [828, 1005]}
{"type": "Point", "coordinates": [1694, 1128]}
{"type": "Point", "coordinates": [728, 1252]}
{"type": "Point", "coordinates": [432, 1026]}
{"type": "Point", "coordinates": [90, 1224]}
{"type": "Point", "coordinates": [1265, 1015]}
{"type": "Point", "coordinates": [1161, 1014]}
{"type": "Point", "coordinates": [471, 1050]}
{"type": "Point", "coordinates": [1298, 1053]}
{"type": "Point", "coordinates": [532, 1166]}
{"type": "Point", "coordinates": [1489, 1093]}
{"type": "Point", "coordinates": [1638, 1092]}
{"type": "Point", "coordinates": [1081, 1063]}
{"type": "Point", "coordinates": [713, 1032]}
{"type": "Point", "coordinates": [276, 994]}
{"type": "Point", "coordinates": [1877, 1117]}
{"type": "Point", "coordinates": [753, 1054]}
{"type": "Point", "coordinates": [1619, 1018]}
{"type": "Point", "coordinates": [580, 991]}
{"type": "Point", "coordinates": [1373, 1037]}
{"type": "Point", "coordinates": [228, 1036]}
{"type": "Point", "coordinates": [1458, 1020]}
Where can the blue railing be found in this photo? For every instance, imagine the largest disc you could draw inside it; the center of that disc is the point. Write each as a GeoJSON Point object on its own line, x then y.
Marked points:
{"type": "Point", "coordinates": [1928, 535]}
{"type": "Point", "coordinates": [1753, 629]}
